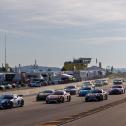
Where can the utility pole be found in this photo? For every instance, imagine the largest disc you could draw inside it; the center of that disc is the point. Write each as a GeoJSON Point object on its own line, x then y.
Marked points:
{"type": "Point", "coordinates": [1, 36]}
{"type": "Point", "coordinates": [5, 52]}
{"type": "Point", "coordinates": [0, 49]}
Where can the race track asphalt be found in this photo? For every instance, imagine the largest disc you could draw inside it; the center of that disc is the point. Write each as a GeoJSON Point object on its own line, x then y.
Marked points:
{"type": "Point", "coordinates": [38, 113]}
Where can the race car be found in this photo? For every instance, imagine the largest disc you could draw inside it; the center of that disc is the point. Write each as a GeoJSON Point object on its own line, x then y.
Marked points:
{"type": "Point", "coordinates": [10, 101]}
{"type": "Point", "coordinates": [105, 81]}
{"type": "Point", "coordinates": [117, 82]}
{"type": "Point", "coordinates": [117, 89]}
{"type": "Point", "coordinates": [85, 90]}
{"type": "Point", "coordinates": [72, 89]}
{"type": "Point", "coordinates": [59, 96]}
{"type": "Point", "coordinates": [41, 96]}
{"type": "Point", "coordinates": [98, 83]}
{"type": "Point", "coordinates": [96, 95]}
{"type": "Point", "coordinates": [88, 83]}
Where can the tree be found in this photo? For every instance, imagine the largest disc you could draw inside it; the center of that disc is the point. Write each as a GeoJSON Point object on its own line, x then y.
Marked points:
{"type": "Point", "coordinates": [112, 69]}
{"type": "Point", "coordinates": [3, 69]}
{"type": "Point", "coordinates": [49, 69]}
{"type": "Point", "coordinates": [63, 69]}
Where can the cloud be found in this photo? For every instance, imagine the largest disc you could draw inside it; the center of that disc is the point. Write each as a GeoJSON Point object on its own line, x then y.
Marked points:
{"type": "Point", "coordinates": [79, 12]}
{"type": "Point", "coordinates": [65, 12]}
{"type": "Point", "coordinates": [77, 26]}
{"type": "Point", "coordinates": [100, 41]}
{"type": "Point", "coordinates": [31, 17]}
{"type": "Point", "coordinates": [21, 33]}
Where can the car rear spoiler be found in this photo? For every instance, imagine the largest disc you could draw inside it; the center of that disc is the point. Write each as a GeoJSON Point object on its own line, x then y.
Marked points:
{"type": "Point", "coordinates": [20, 95]}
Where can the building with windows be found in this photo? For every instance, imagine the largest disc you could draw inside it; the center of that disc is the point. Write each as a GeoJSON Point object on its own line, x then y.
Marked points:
{"type": "Point", "coordinates": [76, 64]}
{"type": "Point", "coordinates": [92, 72]}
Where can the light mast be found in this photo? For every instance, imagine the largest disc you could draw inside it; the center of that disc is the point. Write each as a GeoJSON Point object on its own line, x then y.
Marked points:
{"type": "Point", "coordinates": [5, 52]}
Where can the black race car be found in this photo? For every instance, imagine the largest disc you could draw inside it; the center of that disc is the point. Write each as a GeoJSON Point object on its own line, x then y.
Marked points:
{"type": "Point", "coordinates": [72, 89]}
{"type": "Point", "coordinates": [117, 82]}
{"type": "Point", "coordinates": [41, 96]}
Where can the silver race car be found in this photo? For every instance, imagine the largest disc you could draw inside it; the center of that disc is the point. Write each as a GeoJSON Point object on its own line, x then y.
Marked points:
{"type": "Point", "coordinates": [117, 89]}
{"type": "Point", "coordinates": [58, 96]}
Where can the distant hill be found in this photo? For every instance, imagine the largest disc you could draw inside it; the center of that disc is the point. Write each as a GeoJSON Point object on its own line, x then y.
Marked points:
{"type": "Point", "coordinates": [122, 70]}
{"type": "Point", "coordinates": [32, 68]}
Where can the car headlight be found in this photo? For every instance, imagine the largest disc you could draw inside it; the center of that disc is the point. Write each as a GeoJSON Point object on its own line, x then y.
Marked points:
{"type": "Point", "coordinates": [59, 97]}
{"type": "Point", "coordinates": [97, 94]}
{"type": "Point", "coordinates": [87, 94]}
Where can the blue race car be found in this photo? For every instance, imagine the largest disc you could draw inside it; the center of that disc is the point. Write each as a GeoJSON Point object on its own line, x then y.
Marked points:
{"type": "Point", "coordinates": [11, 100]}
{"type": "Point", "coordinates": [96, 95]}
{"type": "Point", "coordinates": [85, 90]}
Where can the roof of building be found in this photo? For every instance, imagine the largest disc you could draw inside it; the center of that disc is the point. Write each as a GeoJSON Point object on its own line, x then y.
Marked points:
{"type": "Point", "coordinates": [95, 68]}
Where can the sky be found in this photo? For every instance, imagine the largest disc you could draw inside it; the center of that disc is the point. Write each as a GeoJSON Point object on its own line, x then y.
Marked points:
{"type": "Point", "coordinates": [55, 31]}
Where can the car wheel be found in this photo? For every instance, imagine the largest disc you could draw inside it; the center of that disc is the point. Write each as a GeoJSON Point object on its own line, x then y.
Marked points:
{"type": "Point", "coordinates": [37, 98]}
{"type": "Point", "coordinates": [47, 102]}
{"type": "Point", "coordinates": [10, 105]}
{"type": "Point", "coordinates": [106, 97]}
{"type": "Point", "coordinates": [4, 105]}
{"type": "Point", "coordinates": [22, 103]}
{"type": "Point", "coordinates": [86, 100]}
{"type": "Point", "coordinates": [98, 98]}
{"type": "Point", "coordinates": [59, 100]}
{"type": "Point", "coordinates": [69, 99]}
{"type": "Point", "coordinates": [102, 98]}
{"type": "Point", "coordinates": [62, 100]}
{"type": "Point", "coordinates": [75, 93]}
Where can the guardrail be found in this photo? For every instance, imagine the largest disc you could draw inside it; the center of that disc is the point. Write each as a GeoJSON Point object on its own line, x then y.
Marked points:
{"type": "Point", "coordinates": [35, 90]}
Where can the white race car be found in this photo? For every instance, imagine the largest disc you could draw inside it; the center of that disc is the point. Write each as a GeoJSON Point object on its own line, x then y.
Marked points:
{"type": "Point", "coordinates": [11, 100]}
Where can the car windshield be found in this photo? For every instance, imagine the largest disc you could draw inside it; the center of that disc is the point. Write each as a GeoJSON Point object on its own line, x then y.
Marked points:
{"type": "Point", "coordinates": [98, 81]}
{"type": "Point", "coordinates": [117, 81]}
{"type": "Point", "coordinates": [47, 91]}
{"type": "Point", "coordinates": [70, 87]}
{"type": "Point", "coordinates": [97, 91]}
{"type": "Point", "coordinates": [104, 80]}
{"type": "Point", "coordinates": [6, 97]}
{"type": "Point", "coordinates": [36, 80]}
{"type": "Point", "coordinates": [86, 83]}
{"type": "Point", "coordinates": [86, 88]}
{"type": "Point", "coordinates": [5, 84]}
{"type": "Point", "coordinates": [117, 87]}
{"type": "Point", "coordinates": [58, 93]}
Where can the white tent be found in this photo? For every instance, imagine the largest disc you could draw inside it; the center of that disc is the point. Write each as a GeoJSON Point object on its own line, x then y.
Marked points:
{"type": "Point", "coordinates": [67, 75]}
